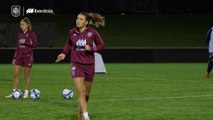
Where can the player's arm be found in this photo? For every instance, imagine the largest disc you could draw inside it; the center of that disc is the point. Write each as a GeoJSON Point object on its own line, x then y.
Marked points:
{"type": "Point", "coordinates": [34, 39]}
{"type": "Point", "coordinates": [99, 44]}
{"type": "Point", "coordinates": [32, 42]}
{"type": "Point", "coordinates": [65, 51]}
{"type": "Point", "coordinates": [14, 57]}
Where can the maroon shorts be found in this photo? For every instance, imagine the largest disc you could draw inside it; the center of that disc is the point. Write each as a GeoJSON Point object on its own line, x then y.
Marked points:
{"type": "Point", "coordinates": [24, 60]}
{"type": "Point", "coordinates": [83, 70]}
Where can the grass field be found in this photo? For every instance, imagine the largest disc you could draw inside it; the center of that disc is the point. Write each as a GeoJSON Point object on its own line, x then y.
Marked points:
{"type": "Point", "coordinates": [127, 92]}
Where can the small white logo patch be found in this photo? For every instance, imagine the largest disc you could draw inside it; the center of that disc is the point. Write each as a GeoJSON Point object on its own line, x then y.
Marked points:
{"type": "Point", "coordinates": [73, 71]}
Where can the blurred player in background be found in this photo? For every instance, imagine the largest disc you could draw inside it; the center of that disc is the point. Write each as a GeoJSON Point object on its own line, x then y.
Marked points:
{"type": "Point", "coordinates": [210, 43]}
{"type": "Point", "coordinates": [83, 41]}
{"type": "Point", "coordinates": [23, 57]}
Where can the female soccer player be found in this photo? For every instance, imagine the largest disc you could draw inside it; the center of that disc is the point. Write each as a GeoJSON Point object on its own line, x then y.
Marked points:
{"type": "Point", "coordinates": [83, 41]}
{"type": "Point", "coordinates": [23, 57]}
{"type": "Point", "coordinates": [210, 43]}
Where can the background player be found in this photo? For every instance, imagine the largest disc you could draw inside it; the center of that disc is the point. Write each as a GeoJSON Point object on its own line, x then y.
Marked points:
{"type": "Point", "coordinates": [210, 43]}
{"type": "Point", "coordinates": [83, 41]}
{"type": "Point", "coordinates": [23, 57]}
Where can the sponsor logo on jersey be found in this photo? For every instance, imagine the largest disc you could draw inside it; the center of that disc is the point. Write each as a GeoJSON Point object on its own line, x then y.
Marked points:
{"type": "Point", "coordinates": [81, 43]}
{"type": "Point", "coordinates": [22, 46]}
{"type": "Point", "coordinates": [80, 49]}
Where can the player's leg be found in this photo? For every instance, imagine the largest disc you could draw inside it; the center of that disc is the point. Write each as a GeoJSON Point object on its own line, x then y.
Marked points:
{"type": "Point", "coordinates": [90, 71]}
{"type": "Point", "coordinates": [28, 61]}
{"type": "Point", "coordinates": [80, 116]}
{"type": "Point", "coordinates": [17, 70]}
{"type": "Point", "coordinates": [88, 86]}
{"type": "Point", "coordinates": [27, 81]}
{"type": "Point", "coordinates": [210, 65]}
{"type": "Point", "coordinates": [80, 87]}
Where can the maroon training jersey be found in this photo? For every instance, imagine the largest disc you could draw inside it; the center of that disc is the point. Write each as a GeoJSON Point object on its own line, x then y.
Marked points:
{"type": "Point", "coordinates": [27, 47]}
{"type": "Point", "coordinates": [76, 44]}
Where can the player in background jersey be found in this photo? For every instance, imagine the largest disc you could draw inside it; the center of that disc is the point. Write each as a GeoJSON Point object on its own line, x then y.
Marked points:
{"type": "Point", "coordinates": [83, 40]}
{"type": "Point", "coordinates": [210, 49]}
{"type": "Point", "coordinates": [210, 46]}
{"type": "Point", "coordinates": [23, 57]}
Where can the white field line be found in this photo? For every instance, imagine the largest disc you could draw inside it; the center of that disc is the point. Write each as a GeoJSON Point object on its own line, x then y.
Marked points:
{"type": "Point", "coordinates": [154, 98]}
{"type": "Point", "coordinates": [106, 100]}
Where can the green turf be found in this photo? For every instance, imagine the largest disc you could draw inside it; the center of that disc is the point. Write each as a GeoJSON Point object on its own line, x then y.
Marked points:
{"type": "Point", "coordinates": [127, 91]}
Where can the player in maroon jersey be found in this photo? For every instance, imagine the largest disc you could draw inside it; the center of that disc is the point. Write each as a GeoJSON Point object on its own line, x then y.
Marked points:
{"type": "Point", "coordinates": [83, 41]}
{"type": "Point", "coordinates": [23, 57]}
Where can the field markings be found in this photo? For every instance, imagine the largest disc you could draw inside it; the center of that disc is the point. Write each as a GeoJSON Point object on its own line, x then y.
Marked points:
{"type": "Point", "coordinates": [107, 100]}
{"type": "Point", "coordinates": [154, 98]}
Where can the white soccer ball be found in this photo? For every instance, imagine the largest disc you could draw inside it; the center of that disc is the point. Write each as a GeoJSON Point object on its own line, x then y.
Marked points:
{"type": "Point", "coordinates": [35, 94]}
{"type": "Point", "coordinates": [17, 94]}
{"type": "Point", "coordinates": [67, 93]}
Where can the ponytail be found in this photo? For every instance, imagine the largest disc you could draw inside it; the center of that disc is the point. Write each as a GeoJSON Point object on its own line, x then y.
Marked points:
{"type": "Point", "coordinates": [94, 19]}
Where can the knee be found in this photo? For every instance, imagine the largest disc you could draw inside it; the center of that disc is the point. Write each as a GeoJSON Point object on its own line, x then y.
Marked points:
{"type": "Point", "coordinates": [82, 94]}
{"type": "Point", "coordinates": [16, 75]}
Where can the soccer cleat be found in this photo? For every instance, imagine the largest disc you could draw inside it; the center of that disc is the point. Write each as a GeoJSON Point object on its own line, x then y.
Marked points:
{"type": "Point", "coordinates": [25, 95]}
{"type": "Point", "coordinates": [9, 96]}
{"type": "Point", "coordinates": [207, 75]}
{"type": "Point", "coordinates": [87, 118]}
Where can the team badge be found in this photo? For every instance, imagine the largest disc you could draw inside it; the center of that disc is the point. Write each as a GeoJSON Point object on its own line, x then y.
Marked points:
{"type": "Point", "coordinates": [89, 34]}
{"type": "Point", "coordinates": [15, 10]}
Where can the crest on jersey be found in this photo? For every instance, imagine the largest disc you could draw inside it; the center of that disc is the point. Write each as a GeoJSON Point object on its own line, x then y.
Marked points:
{"type": "Point", "coordinates": [89, 34]}
{"type": "Point", "coordinates": [15, 10]}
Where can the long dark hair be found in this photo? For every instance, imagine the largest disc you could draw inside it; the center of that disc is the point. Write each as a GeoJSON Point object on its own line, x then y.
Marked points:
{"type": "Point", "coordinates": [94, 19]}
